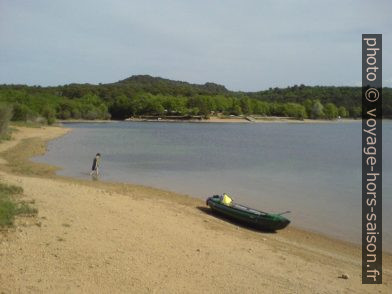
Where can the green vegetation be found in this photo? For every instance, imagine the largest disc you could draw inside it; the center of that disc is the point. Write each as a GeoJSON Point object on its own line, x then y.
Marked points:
{"type": "Point", "coordinates": [5, 117]}
{"type": "Point", "coordinates": [150, 96]}
{"type": "Point", "coordinates": [10, 206]}
{"type": "Point", "coordinates": [18, 159]}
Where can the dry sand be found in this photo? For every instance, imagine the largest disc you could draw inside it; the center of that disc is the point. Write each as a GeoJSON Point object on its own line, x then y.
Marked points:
{"type": "Point", "coordinates": [94, 237]}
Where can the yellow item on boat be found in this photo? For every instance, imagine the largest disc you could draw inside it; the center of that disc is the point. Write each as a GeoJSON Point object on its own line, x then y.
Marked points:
{"type": "Point", "coordinates": [226, 200]}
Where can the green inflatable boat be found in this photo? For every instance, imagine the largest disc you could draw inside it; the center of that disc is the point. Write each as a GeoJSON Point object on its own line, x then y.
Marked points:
{"type": "Point", "coordinates": [266, 221]}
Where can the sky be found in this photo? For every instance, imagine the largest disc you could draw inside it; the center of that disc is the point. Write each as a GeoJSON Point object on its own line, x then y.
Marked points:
{"type": "Point", "coordinates": [246, 45]}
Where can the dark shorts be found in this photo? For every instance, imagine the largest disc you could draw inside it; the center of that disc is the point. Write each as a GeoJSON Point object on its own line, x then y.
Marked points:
{"type": "Point", "coordinates": [94, 167]}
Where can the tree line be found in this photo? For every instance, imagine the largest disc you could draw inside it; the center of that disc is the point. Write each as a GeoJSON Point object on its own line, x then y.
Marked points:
{"type": "Point", "coordinates": [145, 95]}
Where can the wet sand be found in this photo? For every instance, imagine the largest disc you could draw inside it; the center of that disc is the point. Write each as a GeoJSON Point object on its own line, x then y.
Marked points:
{"type": "Point", "coordinates": [97, 237]}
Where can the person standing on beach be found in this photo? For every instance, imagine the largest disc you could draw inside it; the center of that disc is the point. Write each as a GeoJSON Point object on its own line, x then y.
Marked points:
{"type": "Point", "coordinates": [96, 163]}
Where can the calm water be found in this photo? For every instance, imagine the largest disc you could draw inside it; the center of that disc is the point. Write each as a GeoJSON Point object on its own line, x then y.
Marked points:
{"type": "Point", "coordinates": [314, 170]}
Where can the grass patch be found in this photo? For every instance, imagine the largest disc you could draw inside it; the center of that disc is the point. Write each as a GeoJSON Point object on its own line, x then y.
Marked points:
{"type": "Point", "coordinates": [10, 206]}
{"type": "Point", "coordinates": [8, 134]}
{"type": "Point", "coordinates": [10, 189]}
{"type": "Point", "coordinates": [5, 117]}
{"type": "Point", "coordinates": [5, 137]}
{"type": "Point", "coordinates": [18, 158]}
{"type": "Point", "coordinates": [24, 208]}
{"type": "Point", "coordinates": [27, 124]}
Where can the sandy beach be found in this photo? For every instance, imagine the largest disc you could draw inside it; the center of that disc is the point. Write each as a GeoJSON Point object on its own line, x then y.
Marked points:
{"type": "Point", "coordinates": [98, 237]}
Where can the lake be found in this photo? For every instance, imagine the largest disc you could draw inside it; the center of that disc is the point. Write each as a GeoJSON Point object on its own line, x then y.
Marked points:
{"type": "Point", "coordinates": [314, 170]}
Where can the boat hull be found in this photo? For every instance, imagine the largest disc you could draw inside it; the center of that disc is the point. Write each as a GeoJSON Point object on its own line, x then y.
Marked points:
{"type": "Point", "coordinates": [261, 220]}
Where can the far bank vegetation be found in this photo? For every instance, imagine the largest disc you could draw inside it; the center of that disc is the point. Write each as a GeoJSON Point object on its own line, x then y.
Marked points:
{"type": "Point", "coordinates": [139, 96]}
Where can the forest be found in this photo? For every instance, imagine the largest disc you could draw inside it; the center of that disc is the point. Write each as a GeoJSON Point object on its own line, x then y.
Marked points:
{"type": "Point", "coordinates": [143, 95]}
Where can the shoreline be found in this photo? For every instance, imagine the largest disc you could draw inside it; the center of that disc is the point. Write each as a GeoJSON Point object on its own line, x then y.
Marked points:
{"type": "Point", "coordinates": [302, 229]}
{"type": "Point", "coordinates": [318, 250]}
{"type": "Point", "coordinates": [220, 120]}
{"type": "Point", "coordinates": [169, 191]}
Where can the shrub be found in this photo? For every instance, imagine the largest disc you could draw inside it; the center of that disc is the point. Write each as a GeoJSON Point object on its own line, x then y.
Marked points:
{"type": "Point", "coordinates": [5, 117]}
{"type": "Point", "coordinates": [236, 110]}
{"type": "Point", "coordinates": [91, 114]}
{"type": "Point", "coordinates": [49, 114]}
{"type": "Point", "coordinates": [23, 113]}
{"type": "Point", "coordinates": [317, 110]}
{"type": "Point", "coordinates": [356, 112]}
{"type": "Point", "coordinates": [64, 114]}
{"type": "Point", "coordinates": [76, 114]}
{"type": "Point", "coordinates": [295, 110]}
{"type": "Point", "coordinates": [331, 111]}
{"type": "Point", "coordinates": [9, 207]}
{"type": "Point", "coordinates": [342, 111]}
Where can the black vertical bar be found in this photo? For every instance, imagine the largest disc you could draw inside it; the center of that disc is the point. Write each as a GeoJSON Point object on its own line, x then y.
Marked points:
{"type": "Point", "coordinates": [371, 159]}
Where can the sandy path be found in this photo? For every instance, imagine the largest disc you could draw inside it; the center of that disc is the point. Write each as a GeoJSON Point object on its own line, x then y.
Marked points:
{"type": "Point", "coordinates": [90, 239]}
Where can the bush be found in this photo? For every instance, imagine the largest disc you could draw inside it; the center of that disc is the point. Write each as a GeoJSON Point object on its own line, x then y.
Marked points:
{"type": "Point", "coordinates": [5, 117]}
{"type": "Point", "coordinates": [317, 110]}
{"type": "Point", "coordinates": [295, 110]}
{"type": "Point", "coordinates": [194, 111]}
{"type": "Point", "coordinates": [10, 189]}
{"type": "Point", "coordinates": [76, 114]}
{"type": "Point", "coordinates": [9, 207]}
{"type": "Point", "coordinates": [331, 111]}
{"type": "Point", "coordinates": [91, 115]}
{"type": "Point", "coordinates": [260, 107]}
{"type": "Point", "coordinates": [23, 113]}
{"type": "Point", "coordinates": [246, 106]}
{"type": "Point", "coordinates": [236, 110]}
{"type": "Point", "coordinates": [154, 107]}
{"type": "Point", "coordinates": [342, 111]}
{"type": "Point", "coordinates": [64, 109]}
{"type": "Point", "coordinates": [49, 114]}
{"type": "Point", "coordinates": [356, 112]}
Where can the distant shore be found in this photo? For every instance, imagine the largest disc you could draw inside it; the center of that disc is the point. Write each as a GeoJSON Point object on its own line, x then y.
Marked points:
{"type": "Point", "coordinates": [215, 119]}
{"type": "Point", "coordinates": [276, 119]}
{"type": "Point", "coordinates": [93, 236]}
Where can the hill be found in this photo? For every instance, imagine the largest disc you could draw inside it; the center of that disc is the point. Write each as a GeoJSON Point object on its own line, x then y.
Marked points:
{"type": "Point", "coordinates": [146, 95]}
